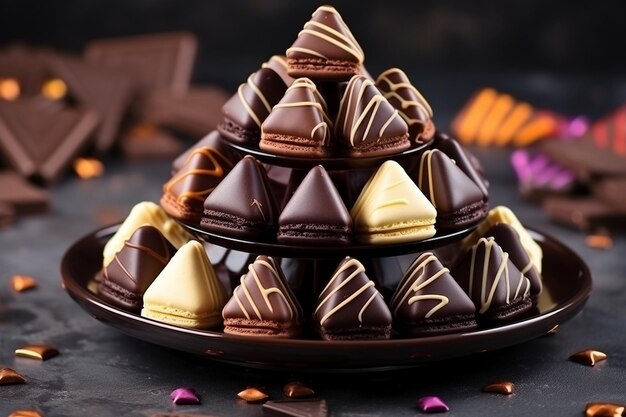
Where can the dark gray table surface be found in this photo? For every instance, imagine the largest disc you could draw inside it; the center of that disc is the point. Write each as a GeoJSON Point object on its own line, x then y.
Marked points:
{"type": "Point", "coordinates": [103, 372]}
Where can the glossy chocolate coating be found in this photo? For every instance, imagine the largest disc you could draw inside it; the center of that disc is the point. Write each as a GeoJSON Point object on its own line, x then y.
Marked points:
{"type": "Point", "coordinates": [367, 124]}
{"type": "Point", "coordinates": [242, 204]}
{"type": "Point", "coordinates": [458, 200]}
{"type": "Point", "coordinates": [411, 105]}
{"type": "Point", "coordinates": [498, 289]}
{"type": "Point", "coordinates": [509, 241]}
{"type": "Point", "coordinates": [212, 140]}
{"type": "Point", "coordinates": [134, 268]}
{"type": "Point", "coordinates": [263, 303]}
{"type": "Point", "coordinates": [184, 194]}
{"type": "Point", "coordinates": [315, 214]}
{"type": "Point", "coordinates": [429, 301]}
{"type": "Point", "coordinates": [464, 160]}
{"type": "Point", "coordinates": [350, 306]}
{"type": "Point", "coordinates": [249, 107]}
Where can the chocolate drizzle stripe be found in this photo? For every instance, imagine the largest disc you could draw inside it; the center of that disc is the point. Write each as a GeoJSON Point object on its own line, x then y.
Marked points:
{"type": "Point", "coordinates": [282, 61]}
{"type": "Point", "coordinates": [422, 103]}
{"type": "Point", "coordinates": [427, 156]}
{"type": "Point", "coordinates": [149, 251]}
{"type": "Point", "coordinates": [419, 284]}
{"type": "Point", "coordinates": [255, 88]}
{"type": "Point", "coordinates": [358, 269]}
{"type": "Point", "coordinates": [366, 305]}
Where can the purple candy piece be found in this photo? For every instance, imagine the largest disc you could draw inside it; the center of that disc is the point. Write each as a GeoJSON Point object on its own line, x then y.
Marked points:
{"type": "Point", "coordinates": [521, 164]}
{"type": "Point", "coordinates": [432, 404]}
{"type": "Point", "coordinates": [184, 396]}
{"type": "Point", "coordinates": [574, 128]}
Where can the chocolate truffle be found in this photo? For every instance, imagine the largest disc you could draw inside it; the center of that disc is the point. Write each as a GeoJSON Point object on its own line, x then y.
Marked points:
{"type": "Point", "coordinates": [367, 125]}
{"type": "Point", "coordinates": [315, 214]}
{"type": "Point", "coordinates": [459, 201]}
{"type": "Point", "coordinates": [498, 289]}
{"type": "Point", "coordinates": [325, 48]}
{"type": "Point", "coordinates": [184, 194]}
{"type": "Point", "coordinates": [350, 307]}
{"type": "Point", "coordinates": [141, 214]}
{"type": "Point", "coordinates": [245, 111]}
{"type": "Point", "coordinates": [242, 205]}
{"type": "Point", "coordinates": [263, 304]}
{"type": "Point", "coordinates": [186, 293]}
{"type": "Point", "coordinates": [391, 209]}
{"type": "Point", "coordinates": [298, 125]}
{"type": "Point", "coordinates": [428, 301]}
{"type": "Point", "coordinates": [411, 105]}
{"type": "Point", "coordinates": [509, 240]}
{"type": "Point", "coordinates": [134, 268]}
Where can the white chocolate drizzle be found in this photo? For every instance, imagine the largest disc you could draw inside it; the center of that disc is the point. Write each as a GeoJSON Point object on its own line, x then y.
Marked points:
{"type": "Point", "coordinates": [415, 282]}
{"type": "Point", "coordinates": [257, 91]}
{"type": "Point", "coordinates": [393, 87]}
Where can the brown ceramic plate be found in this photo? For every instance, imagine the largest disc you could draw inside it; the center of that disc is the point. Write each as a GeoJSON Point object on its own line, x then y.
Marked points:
{"type": "Point", "coordinates": [567, 285]}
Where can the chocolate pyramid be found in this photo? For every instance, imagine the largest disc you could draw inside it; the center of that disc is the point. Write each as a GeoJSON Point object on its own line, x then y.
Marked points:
{"type": "Point", "coordinates": [108, 92]}
{"type": "Point", "coordinates": [39, 139]}
{"type": "Point", "coordinates": [428, 301]}
{"type": "Point", "coordinates": [459, 201]}
{"type": "Point", "coordinates": [263, 304]}
{"type": "Point", "coordinates": [134, 268]}
{"type": "Point", "coordinates": [509, 241]}
{"type": "Point", "coordinates": [187, 292]}
{"type": "Point", "coordinates": [278, 63]}
{"type": "Point", "coordinates": [315, 214]}
{"type": "Point", "coordinates": [245, 111]}
{"type": "Point", "coordinates": [391, 209]}
{"type": "Point", "coordinates": [296, 408]}
{"type": "Point", "coordinates": [298, 125]}
{"type": "Point", "coordinates": [412, 106]}
{"type": "Point", "coordinates": [367, 125]}
{"type": "Point", "coordinates": [184, 194]}
{"type": "Point", "coordinates": [467, 162]}
{"type": "Point", "coordinates": [498, 289]}
{"type": "Point", "coordinates": [242, 205]}
{"type": "Point", "coordinates": [325, 48]}
{"type": "Point", "coordinates": [214, 141]}
{"type": "Point", "coordinates": [350, 307]}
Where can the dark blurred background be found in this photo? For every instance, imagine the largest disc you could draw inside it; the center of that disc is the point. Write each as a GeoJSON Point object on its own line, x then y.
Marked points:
{"type": "Point", "coordinates": [457, 46]}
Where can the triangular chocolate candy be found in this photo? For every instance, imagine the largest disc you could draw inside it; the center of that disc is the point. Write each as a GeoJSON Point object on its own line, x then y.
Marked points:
{"type": "Point", "coordinates": [242, 204]}
{"type": "Point", "coordinates": [459, 201]}
{"type": "Point", "coordinates": [279, 64]}
{"type": "Point", "coordinates": [391, 209]}
{"type": "Point", "coordinates": [141, 214]}
{"type": "Point", "coordinates": [315, 214]}
{"type": "Point", "coordinates": [263, 304]}
{"type": "Point", "coordinates": [245, 111]}
{"type": "Point", "coordinates": [214, 141]}
{"type": "Point", "coordinates": [508, 239]}
{"type": "Point", "coordinates": [325, 48]}
{"type": "Point", "coordinates": [108, 92]}
{"type": "Point", "coordinates": [134, 268]}
{"type": "Point", "coordinates": [40, 140]}
{"type": "Point", "coordinates": [350, 307]}
{"type": "Point", "coordinates": [498, 289]}
{"type": "Point", "coordinates": [428, 300]}
{"type": "Point", "coordinates": [464, 160]}
{"type": "Point", "coordinates": [411, 105]}
{"type": "Point", "coordinates": [155, 61]}
{"type": "Point", "coordinates": [187, 292]}
{"type": "Point", "coordinates": [296, 408]}
{"type": "Point", "coordinates": [184, 194]}
{"type": "Point", "coordinates": [298, 125]}
{"type": "Point", "coordinates": [367, 124]}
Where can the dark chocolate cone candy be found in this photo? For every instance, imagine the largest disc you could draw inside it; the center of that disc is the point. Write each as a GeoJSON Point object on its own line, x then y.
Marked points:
{"type": "Point", "coordinates": [263, 304]}
{"type": "Point", "coordinates": [213, 140]}
{"type": "Point", "coordinates": [428, 301]}
{"type": "Point", "coordinates": [298, 125]}
{"type": "Point", "coordinates": [184, 194]}
{"type": "Point", "coordinates": [350, 307]}
{"type": "Point", "coordinates": [509, 241]}
{"type": "Point", "coordinates": [367, 125]}
{"type": "Point", "coordinates": [459, 201]}
{"type": "Point", "coordinates": [498, 289]}
{"type": "Point", "coordinates": [142, 258]}
{"type": "Point", "coordinates": [249, 107]}
{"type": "Point", "coordinates": [315, 214]}
{"type": "Point", "coordinates": [325, 49]}
{"type": "Point", "coordinates": [242, 205]}
{"type": "Point", "coordinates": [464, 160]}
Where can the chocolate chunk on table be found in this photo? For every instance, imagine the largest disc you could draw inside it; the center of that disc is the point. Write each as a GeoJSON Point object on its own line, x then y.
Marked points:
{"type": "Point", "coordinates": [40, 139]}
{"type": "Point", "coordinates": [24, 66]}
{"type": "Point", "coordinates": [583, 213]}
{"type": "Point", "coordinates": [21, 196]}
{"type": "Point", "coordinates": [612, 191]}
{"type": "Point", "coordinates": [156, 61]}
{"type": "Point", "coordinates": [7, 215]}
